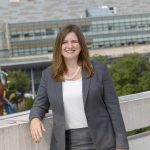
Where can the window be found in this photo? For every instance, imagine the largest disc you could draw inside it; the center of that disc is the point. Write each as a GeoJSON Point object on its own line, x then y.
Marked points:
{"type": "Point", "coordinates": [49, 31]}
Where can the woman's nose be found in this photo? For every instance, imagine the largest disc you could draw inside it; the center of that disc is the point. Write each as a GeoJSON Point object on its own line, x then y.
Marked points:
{"type": "Point", "coordinates": [69, 44]}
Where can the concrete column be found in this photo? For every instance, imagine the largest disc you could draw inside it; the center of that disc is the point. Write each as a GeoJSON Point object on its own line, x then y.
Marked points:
{"type": "Point", "coordinates": [7, 34]}
{"type": "Point", "coordinates": [32, 82]}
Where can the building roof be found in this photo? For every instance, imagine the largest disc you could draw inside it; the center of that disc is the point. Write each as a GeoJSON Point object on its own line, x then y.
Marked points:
{"type": "Point", "coordinates": [43, 10]}
{"type": "Point", "coordinates": [96, 12]}
{"type": "Point", "coordinates": [26, 62]}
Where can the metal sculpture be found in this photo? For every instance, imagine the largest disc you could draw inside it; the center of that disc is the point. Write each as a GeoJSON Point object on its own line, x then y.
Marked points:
{"type": "Point", "coordinates": [1, 99]}
{"type": "Point", "coordinates": [5, 99]}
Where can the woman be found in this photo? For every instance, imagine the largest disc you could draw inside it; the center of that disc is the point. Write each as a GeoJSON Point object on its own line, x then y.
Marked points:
{"type": "Point", "coordinates": [86, 112]}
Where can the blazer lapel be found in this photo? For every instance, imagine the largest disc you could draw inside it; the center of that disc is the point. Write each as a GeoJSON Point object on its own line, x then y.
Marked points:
{"type": "Point", "coordinates": [85, 87]}
{"type": "Point", "coordinates": [59, 95]}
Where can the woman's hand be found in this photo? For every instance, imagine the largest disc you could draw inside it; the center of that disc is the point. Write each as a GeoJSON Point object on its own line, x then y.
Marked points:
{"type": "Point", "coordinates": [36, 128]}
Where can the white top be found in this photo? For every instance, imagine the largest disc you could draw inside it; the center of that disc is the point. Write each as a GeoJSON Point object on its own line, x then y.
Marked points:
{"type": "Point", "coordinates": [73, 104]}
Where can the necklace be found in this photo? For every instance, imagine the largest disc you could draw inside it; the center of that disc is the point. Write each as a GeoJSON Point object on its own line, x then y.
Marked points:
{"type": "Point", "coordinates": [74, 75]}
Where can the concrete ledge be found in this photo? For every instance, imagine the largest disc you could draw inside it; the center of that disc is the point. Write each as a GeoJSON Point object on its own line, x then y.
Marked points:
{"type": "Point", "coordinates": [15, 132]}
{"type": "Point", "coordinates": [140, 141]}
{"type": "Point", "coordinates": [135, 110]}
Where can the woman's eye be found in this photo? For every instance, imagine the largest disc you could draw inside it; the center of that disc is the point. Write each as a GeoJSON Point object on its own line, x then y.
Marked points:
{"type": "Point", "coordinates": [64, 42]}
{"type": "Point", "coordinates": [74, 41]}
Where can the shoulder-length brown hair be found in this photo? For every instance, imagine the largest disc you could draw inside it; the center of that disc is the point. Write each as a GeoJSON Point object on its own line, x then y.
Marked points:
{"type": "Point", "coordinates": [58, 65]}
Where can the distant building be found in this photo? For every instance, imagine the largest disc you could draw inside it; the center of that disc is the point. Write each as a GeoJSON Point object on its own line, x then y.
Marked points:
{"type": "Point", "coordinates": [37, 38]}
{"type": "Point", "coordinates": [101, 11]}
{"type": "Point", "coordinates": [27, 45]}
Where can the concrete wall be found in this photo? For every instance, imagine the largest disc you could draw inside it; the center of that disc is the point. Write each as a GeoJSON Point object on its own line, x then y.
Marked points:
{"type": "Point", "coordinates": [15, 134]}
{"type": "Point", "coordinates": [136, 110]}
{"type": "Point", "coordinates": [2, 36]}
{"type": "Point", "coordinates": [140, 141]}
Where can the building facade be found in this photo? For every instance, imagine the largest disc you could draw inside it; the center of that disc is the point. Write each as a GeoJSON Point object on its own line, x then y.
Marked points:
{"type": "Point", "coordinates": [36, 38]}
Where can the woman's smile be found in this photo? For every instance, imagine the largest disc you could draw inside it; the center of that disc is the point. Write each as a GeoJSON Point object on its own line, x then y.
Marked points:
{"type": "Point", "coordinates": [70, 46]}
{"type": "Point", "coordinates": [69, 50]}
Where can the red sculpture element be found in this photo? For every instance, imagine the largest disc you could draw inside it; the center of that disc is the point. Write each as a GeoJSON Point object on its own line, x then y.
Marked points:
{"type": "Point", "coordinates": [6, 100]}
{"type": "Point", "coordinates": [3, 89]}
{"type": "Point", "coordinates": [1, 100]}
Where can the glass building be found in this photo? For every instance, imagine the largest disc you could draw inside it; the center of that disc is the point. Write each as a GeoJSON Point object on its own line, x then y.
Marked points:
{"type": "Point", "coordinates": [37, 39]}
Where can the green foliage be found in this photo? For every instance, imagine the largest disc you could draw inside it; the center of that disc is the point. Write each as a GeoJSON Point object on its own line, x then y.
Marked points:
{"type": "Point", "coordinates": [18, 81]}
{"type": "Point", "coordinates": [29, 103]}
{"type": "Point", "coordinates": [131, 74]}
{"type": "Point", "coordinates": [137, 131]}
{"type": "Point", "coordinates": [25, 104]}
{"type": "Point", "coordinates": [100, 58]}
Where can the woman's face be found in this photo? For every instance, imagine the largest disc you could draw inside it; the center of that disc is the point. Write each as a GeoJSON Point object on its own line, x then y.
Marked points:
{"type": "Point", "coordinates": [70, 48]}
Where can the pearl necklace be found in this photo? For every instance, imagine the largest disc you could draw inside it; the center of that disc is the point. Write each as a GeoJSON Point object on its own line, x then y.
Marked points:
{"type": "Point", "coordinates": [74, 75]}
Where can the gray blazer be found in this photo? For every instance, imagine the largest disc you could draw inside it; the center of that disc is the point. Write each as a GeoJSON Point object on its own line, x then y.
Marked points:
{"type": "Point", "coordinates": [101, 105]}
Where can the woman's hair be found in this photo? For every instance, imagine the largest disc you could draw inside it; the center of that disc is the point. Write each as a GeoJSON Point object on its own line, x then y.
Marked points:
{"type": "Point", "coordinates": [58, 65]}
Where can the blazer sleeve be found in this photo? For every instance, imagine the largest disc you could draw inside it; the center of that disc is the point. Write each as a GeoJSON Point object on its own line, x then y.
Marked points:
{"type": "Point", "coordinates": [41, 103]}
{"type": "Point", "coordinates": [112, 104]}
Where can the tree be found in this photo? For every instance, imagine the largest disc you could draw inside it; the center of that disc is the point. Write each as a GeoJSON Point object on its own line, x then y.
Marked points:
{"type": "Point", "coordinates": [18, 81]}
{"type": "Point", "coordinates": [131, 74]}
{"type": "Point", "coordinates": [100, 58]}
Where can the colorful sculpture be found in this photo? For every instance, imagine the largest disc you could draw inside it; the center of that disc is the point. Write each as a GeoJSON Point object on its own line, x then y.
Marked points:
{"type": "Point", "coordinates": [5, 102]}
{"type": "Point", "coordinates": [1, 100]}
